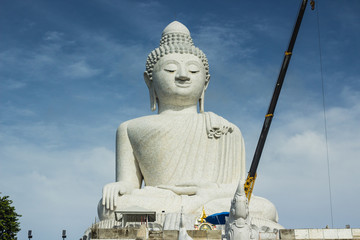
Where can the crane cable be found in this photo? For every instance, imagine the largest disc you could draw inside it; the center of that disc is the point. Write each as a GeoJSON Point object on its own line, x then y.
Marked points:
{"type": "Point", "coordinates": [324, 113]}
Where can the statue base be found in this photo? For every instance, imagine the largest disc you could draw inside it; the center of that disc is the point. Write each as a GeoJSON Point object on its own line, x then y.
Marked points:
{"type": "Point", "coordinates": [142, 232]}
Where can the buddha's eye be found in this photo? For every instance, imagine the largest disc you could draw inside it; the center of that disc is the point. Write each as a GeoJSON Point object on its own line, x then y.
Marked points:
{"type": "Point", "coordinates": [171, 68]}
{"type": "Point", "coordinates": [193, 68]}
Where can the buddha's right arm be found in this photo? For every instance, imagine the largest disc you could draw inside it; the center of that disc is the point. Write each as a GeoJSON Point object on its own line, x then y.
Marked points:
{"type": "Point", "coordinates": [127, 168]}
{"type": "Point", "coordinates": [128, 176]}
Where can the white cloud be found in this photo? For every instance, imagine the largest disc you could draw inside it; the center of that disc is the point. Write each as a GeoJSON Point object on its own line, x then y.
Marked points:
{"type": "Point", "coordinates": [53, 185]}
{"type": "Point", "coordinates": [53, 36]}
{"type": "Point", "coordinates": [214, 39]}
{"type": "Point", "coordinates": [80, 70]}
{"type": "Point", "coordinates": [11, 84]}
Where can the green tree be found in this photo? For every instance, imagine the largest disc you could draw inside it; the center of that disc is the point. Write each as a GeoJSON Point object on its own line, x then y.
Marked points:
{"type": "Point", "coordinates": [9, 225]}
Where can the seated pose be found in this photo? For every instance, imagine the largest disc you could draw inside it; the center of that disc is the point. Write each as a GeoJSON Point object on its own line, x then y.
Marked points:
{"type": "Point", "coordinates": [187, 159]}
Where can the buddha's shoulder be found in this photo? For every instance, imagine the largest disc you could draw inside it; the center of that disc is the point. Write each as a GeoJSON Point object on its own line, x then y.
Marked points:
{"type": "Point", "coordinates": [217, 121]}
{"type": "Point", "coordinates": [152, 122]}
{"type": "Point", "coordinates": [138, 123]}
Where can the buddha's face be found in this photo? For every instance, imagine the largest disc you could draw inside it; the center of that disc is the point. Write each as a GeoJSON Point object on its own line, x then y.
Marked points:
{"type": "Point", "coordinates": [179, 79]}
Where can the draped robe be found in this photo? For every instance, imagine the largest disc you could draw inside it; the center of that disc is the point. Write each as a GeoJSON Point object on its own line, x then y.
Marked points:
{"type": "Point", "coordinates": [201, 151]}
{"type": "Point", "coordinates": [176, 149]}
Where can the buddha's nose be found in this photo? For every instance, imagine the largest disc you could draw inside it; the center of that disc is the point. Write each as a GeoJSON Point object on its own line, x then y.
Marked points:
{"type": "Point", "coordinates": [182, 75]}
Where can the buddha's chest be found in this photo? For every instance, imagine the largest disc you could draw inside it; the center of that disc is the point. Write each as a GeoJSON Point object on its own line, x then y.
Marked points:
{"type": "Point", "coordinates": [179, 150]}
{"type": "Point", "coordinates": [161, 140]}
{"type": "Point", "coordinates": [169, 151]}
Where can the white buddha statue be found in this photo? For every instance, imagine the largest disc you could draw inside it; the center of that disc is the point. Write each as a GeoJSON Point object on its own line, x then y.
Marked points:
{"type": "Point", "coordinates": [186, 158]}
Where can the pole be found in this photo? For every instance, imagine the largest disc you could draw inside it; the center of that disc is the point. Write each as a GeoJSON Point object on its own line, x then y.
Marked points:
{"type": "Point", "coordinates": [30, 234]}
{"type": "Point", "coordinates": [63, 234]}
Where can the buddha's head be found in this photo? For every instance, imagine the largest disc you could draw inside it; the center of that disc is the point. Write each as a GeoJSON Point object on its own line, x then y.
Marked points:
{"type": "Point", "coordinates": [177, 72]}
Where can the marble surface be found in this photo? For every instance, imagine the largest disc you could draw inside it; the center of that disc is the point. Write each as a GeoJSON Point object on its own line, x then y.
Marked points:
{"type": "Point", "coordinates": [185, 156]}
{"type": "Point", "coordinates": [239, 224]}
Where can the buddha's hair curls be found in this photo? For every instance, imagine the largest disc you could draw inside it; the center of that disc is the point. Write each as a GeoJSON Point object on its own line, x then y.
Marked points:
{"type": "Point", "coordinates": [175, 43]}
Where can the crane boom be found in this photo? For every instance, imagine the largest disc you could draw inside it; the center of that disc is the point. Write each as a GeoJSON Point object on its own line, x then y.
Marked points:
{"type": "Point", "coordinates": [249, 184]}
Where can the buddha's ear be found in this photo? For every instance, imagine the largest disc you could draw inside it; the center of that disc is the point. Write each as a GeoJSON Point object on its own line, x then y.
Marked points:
{"type": "Point", "coordinates": [147, 79]}
{"type": "Point", "coordinates": [202, 98]}
{"type": "Point", "coordinates": [207, 82]}
{"type": "Point", "coordinates": [152, 93]}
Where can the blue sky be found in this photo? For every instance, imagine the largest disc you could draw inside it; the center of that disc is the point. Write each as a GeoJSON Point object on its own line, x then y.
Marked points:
{"type": "Point", "coordinates": [71, 72]}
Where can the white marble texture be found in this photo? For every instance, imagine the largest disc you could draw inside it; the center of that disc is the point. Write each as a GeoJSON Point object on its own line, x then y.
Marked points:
{"type": "Point", "coordinates": [239, 224]}
{"type": "Point", "coordinates": [186, 158]}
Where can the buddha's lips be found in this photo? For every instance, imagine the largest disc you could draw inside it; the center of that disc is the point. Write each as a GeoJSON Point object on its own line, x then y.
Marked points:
{"type": "Point", "coordinates": [183, 84]}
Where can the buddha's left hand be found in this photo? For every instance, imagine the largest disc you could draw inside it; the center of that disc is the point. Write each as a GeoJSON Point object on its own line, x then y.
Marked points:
{"type": "Point", "coordinates": [189, 188]}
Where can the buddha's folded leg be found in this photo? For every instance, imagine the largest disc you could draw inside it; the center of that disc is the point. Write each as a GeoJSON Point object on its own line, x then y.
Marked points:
{"type": "Point", "coordinates": [259, 207]}
{"type": "Point", "coordinates": [262, 208]}
{"type": "Point", "coordinates": [152, 199]}
{"type": "Point", "coordinates": [166, 201]}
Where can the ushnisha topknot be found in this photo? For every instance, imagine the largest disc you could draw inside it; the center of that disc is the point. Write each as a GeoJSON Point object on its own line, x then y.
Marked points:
{"type": "Point", "coordinates": [175, 39]}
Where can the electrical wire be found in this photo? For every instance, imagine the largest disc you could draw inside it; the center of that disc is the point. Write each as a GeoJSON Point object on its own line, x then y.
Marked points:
{"type": "Point", "coordinates": [325, 121]}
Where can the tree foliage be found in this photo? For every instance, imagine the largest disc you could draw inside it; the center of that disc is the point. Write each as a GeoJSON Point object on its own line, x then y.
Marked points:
{"type": "Point", "coordinates": [9, 225]}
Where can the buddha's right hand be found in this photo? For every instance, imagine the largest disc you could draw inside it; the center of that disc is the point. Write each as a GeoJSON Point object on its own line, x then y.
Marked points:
{"type": "Point", "coordinates": [111, 192]}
